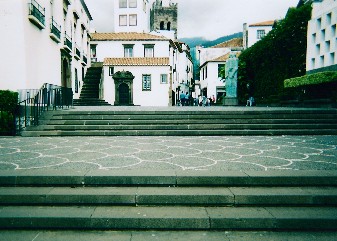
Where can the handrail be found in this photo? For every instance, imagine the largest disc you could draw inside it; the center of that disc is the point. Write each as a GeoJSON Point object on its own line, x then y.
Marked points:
{"type": "Point", "coordinates": [32, 103]}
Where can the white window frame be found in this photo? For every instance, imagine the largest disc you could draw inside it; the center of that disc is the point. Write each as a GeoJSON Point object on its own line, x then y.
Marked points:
{"type": "Point", "coordinates": [146, 82]}
{"type": "Point", "coordinates": [133, 20]}
{"type": "Point", "coordinates": [163, 79]}
{"type": "Point", "coordinates": [121, 18]}
{"type": "Point", "coordinates": [123, 3]}
{"type": "Point", "coordinates": [260, 33]}
{"type": "Point", "coordinates": [132, 3]}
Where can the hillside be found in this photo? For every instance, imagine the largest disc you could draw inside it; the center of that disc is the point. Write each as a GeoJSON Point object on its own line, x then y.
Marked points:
{"type": "Point", "coordinates": [193, 42]}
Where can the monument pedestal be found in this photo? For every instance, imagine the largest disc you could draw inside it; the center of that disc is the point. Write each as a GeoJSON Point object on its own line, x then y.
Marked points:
{"type": "Point", "coordinates": [230, 101]}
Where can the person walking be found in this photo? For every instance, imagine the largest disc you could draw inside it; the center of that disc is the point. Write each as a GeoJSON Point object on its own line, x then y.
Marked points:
{"type": "Point", "coordinates": [182, 98]}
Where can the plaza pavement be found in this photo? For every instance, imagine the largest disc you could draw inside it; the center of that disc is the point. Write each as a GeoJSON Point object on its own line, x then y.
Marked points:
{"type": "Point", "coordinates": [219, 153]}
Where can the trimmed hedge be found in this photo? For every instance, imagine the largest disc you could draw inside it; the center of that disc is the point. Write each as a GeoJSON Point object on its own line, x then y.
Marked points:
{"type": "Point", "coordinates": [280, 55]}
{"type": "Point", "coordinates": [311, 79]}
{"type": "Point", "coordinates": [8, 104]}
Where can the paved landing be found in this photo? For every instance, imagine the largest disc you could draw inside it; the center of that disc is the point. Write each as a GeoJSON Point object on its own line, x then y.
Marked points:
{"type": "Point", "coordinates": [230, 153]}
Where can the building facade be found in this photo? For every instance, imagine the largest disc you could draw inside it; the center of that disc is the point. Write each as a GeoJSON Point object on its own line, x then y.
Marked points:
{"type": "Point", "coordinates": [48, 40]}
{"type": "Point", "coordinates": [254, 32]}
{"type": "Point", "coordinates": [131, 16]}
{"type": "Point", "coordinates": [321, 42]}
{"type": "Point", "coordinates": [164, 18]}
{"type": "Point", "coordinates": [140, 68]}
{"type": "Point", "coordinates": [212, 60]}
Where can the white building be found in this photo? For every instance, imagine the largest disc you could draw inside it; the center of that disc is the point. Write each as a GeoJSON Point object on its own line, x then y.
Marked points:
{"type": "Point", "coordinates": [43, 41]}
{"type": "Point", "coordinates": [322, 44]}
{"type": "Point", "coordinates": [212, 60]}
{"type": "Point", "coordinates": [139, 68]}
{"type": "Point", "coordinates": [255, 32]}
{"type": "Point", "coordinates": [131, 16]}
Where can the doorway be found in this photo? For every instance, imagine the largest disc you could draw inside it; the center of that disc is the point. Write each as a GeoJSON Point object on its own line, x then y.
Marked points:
{"type": "Point", "coordinates": [124, 94]}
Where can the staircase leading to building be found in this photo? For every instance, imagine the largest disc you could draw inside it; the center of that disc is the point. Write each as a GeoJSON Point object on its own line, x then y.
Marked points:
{"type": "Point", "coordinates": [187, 122]}
{"type": "Point", "coordinates": [90, 90]}
{"type": "Point", "coordinates": [168, 200]}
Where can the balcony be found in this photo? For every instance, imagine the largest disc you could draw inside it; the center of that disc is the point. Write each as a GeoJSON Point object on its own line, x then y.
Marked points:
{"type": "Point", "coordinates": [77, 52]}
{"type": "Point", "coordinates": [67, 44]}
{"type": "Point", "coordinates": [84, 59]}
{"type": "Point", "coordinates": [36, 14]}
{"type": "Point", "coordinates": [55, 31]}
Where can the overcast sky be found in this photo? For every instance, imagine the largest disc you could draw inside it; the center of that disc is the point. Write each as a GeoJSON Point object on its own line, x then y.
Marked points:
{"type": "Point", "coordinates": [205, 18]}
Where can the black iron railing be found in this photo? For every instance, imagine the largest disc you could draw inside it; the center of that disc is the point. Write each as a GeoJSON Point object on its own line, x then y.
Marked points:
{"type": "Point", "coordinates": [77, 51]}
{"type": "Point", "coordinates": [32, 103]}
{"type": "Point", "coordinates": [85, 60]}
{"type": "Point", "coordinates": [67, 41]}
{"type": "Point", "coordinates": [55, 29]}
{"type": "Point", "coordinates": [37, 11]}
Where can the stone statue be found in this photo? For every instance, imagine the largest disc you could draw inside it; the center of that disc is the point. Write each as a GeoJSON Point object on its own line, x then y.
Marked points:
{"type": "Point", "coordinates": [231, 76]}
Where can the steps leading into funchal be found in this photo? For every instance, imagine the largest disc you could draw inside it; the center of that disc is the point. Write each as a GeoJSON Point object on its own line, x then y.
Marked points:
{"type": "Point", "coordinates": [189, 121]}
{"type": "Point", "coordinates": [168, 200]}
{"type": "Point", "coordinates": [90, 90]}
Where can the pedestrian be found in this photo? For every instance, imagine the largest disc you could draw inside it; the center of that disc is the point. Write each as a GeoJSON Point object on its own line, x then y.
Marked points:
{"type": "Point", "coordinates": [182, 98]}
{"type": "Point", "coordinates": [204, 101]}
{"type": "Point", "coordinates": [200, 100]}
{"type": "Point", "coordinates": [187, 99]}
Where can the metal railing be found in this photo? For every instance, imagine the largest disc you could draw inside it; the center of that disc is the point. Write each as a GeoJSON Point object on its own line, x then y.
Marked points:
{"type": "Point", "coordinates": [37, 11]}
{"type": "Point", "coordinates": [77, 51]}
{"type": "Point", "coordinates": [67, 41]}
{"type": "Point", "coordinates": [32, 103]}
{"type": "Point", "coordinates": [55, 28]}
{"type": "Point", "coordinates": [85, 60]}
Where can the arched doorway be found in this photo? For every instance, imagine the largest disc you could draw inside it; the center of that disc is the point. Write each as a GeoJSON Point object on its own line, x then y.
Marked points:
{"type": "Point", "coordinates": [123, 87]}
{"type": "Point", "coordinates": [124, 95]}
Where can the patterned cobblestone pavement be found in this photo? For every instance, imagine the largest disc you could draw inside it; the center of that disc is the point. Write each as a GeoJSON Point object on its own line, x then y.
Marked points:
{"type": "Point", "coordinates": [170, 153]}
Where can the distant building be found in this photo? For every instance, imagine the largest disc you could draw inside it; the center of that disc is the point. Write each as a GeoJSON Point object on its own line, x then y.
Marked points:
{"type": "Point", "coordinates": [131, 16]}
{"type": "Point", "coordinates": [44, 41]}
{"type": "Point", "coordinates": [254, 32]}
{"type": "Point", "coordinates": [141, 69]}
{"type": "Point", "coordinates": [321, 43]}
{"type": "Point", "coordinates": [212, 60]}
{"type": "Point", "coordinates": [164, 18]}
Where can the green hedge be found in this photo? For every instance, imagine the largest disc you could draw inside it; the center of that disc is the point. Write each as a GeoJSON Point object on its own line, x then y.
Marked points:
{"type": "Point", "coordinates": [8, 104]}
{"type": "Point", "coordinates": [280, 55]}
{"type": "Point", "coordinates": [311, 79]}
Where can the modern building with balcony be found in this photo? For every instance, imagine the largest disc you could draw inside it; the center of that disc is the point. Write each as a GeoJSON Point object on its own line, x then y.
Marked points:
{"type": "Point", "coordinates": [44, 41]}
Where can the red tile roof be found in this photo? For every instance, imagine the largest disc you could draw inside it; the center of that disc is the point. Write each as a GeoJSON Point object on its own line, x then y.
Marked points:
{"type": "Point", "coordinates": [136, 62]}
{"type": "Point", "coordinates": [236, 42]}
{"type": "Point", "coordinates": [265, 23]}
{"type": "Point", "coordinates": [125, 36]}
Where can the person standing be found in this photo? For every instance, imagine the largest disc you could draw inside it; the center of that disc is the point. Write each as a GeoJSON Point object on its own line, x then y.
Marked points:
{"type": "Point", "coordinates": [182, 98]}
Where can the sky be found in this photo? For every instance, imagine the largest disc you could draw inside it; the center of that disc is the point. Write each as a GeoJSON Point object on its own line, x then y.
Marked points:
{"type": "Point", "coordinates": [210, 19]}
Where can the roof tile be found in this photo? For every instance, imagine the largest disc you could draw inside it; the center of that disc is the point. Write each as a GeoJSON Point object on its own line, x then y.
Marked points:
{"type": "Point", "coordinates": [125, 36]}
{"type": "Point", "coordinates": [136, 62]}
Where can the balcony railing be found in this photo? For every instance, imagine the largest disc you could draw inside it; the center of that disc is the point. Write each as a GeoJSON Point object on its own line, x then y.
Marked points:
{"type": "Point", "coordinates": [37, 14]}
{"type": "Point", "coordinates": [55, 31]}
{"type": "Point", "coordinates": [67, 42]}
{"type": "Point", "coordinates": [77, 52]}
{"type": "Point", "coordinates": [84, 58]}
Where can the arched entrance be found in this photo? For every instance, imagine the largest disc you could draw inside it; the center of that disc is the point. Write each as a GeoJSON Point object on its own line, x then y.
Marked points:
{"type": "Point", "coordinates": [123, 88]}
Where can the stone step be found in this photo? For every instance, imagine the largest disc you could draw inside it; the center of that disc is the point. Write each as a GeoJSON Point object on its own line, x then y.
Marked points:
{"type": "Point", "coordinates": [170, 196]}
{"type": "Point", "coordinates": [168, 218]}
{"type": "Point", "coordinates": [92, 126]}
{"type": "Point", "coordinates": [168, 178]}
{"type": "Point", "coordinates": [257, 132]}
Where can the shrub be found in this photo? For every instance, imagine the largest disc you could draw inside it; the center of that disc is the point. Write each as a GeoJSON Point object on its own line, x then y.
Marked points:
{"type": "Point", "coordinates": [311, 79]}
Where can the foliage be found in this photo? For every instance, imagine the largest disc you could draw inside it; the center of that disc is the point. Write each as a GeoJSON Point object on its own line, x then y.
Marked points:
{"type": "Point", "coordinates": [280, 55]}
{"type": "Point", "coordinates": [8, 104]}
{"type": "Point", "coordinates": [311, 79]}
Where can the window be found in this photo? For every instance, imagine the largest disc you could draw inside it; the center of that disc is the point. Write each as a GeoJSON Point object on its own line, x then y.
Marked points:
{"type": "Point", "coordinates": [146, 82]}
{"type": "Point", "coordinates": [163, 78]}
{"type": "Point", "coordinates": [133, 20]}
{"type": "Point", "coordinates": [220, 67]}
{"type": "Point", "coordinates": [169, 26]}
{"type": "Point", "coordinates": [128, 50]}
{"type": "Point", "coordinates": [123, 4]}
{"type": "Point", "coordinates": [149, 50]}
{"type": "Point", "coordinates": [162, 25]}
{"type": "Point", "coordinates": [123, 20]}
{"type": "Point", "coordinates": [132, 3]}
{"type": "Point", "coordinates": [111, 71]}
{"type": "Point", "coordinates": [261, 34]}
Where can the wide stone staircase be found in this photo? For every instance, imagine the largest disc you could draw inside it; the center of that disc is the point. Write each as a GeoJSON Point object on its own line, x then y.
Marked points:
{"type": "Point", "coordinates": [168, 200]}
{"type": "Point", "coordinates": [90, 91]}
{"type": "Point", "coordinates": [186, 122]}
